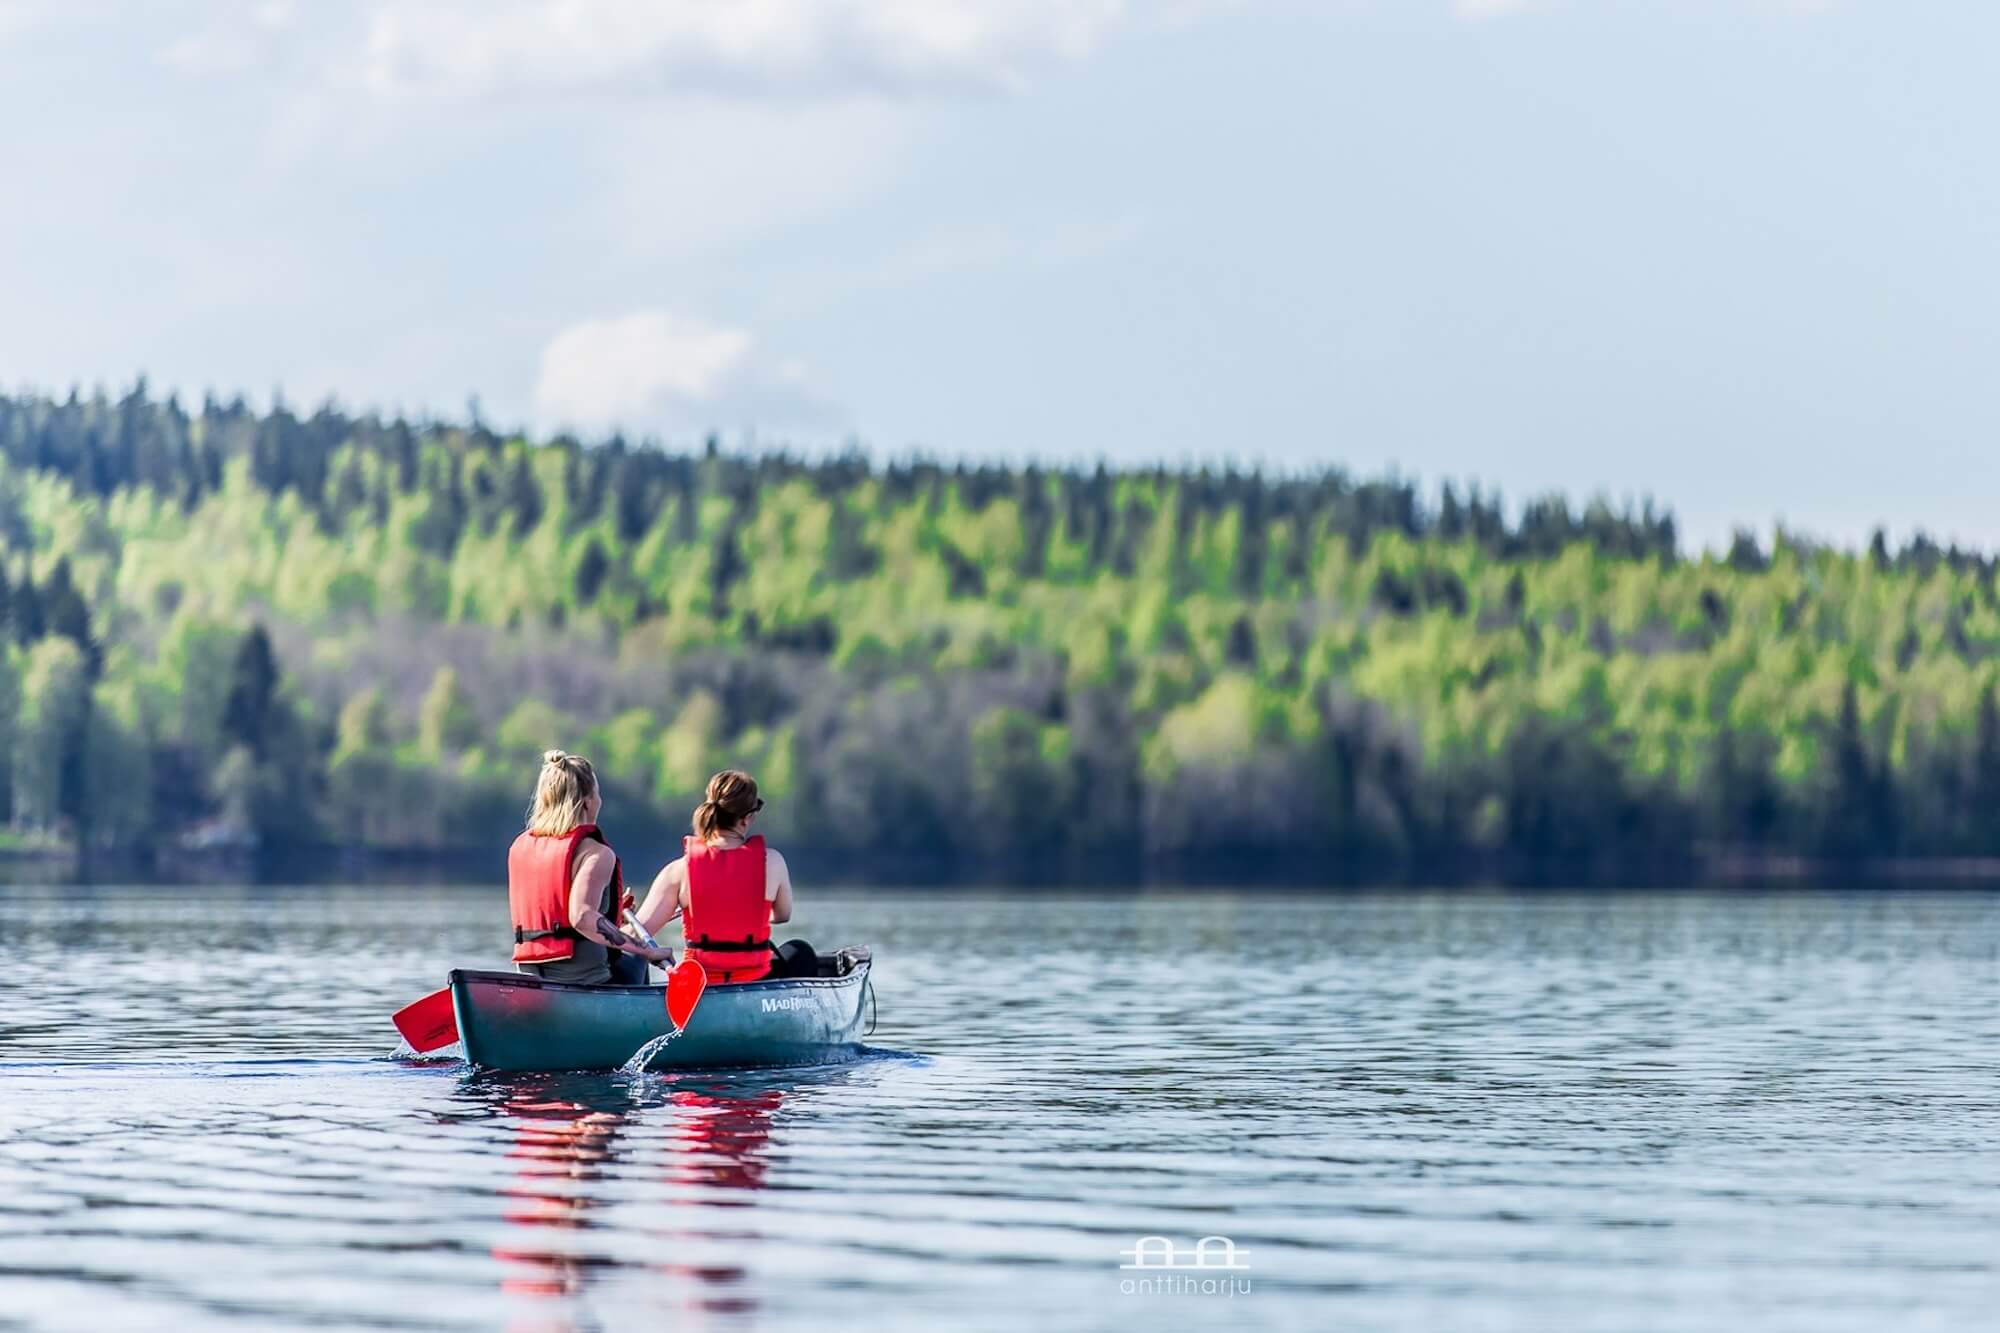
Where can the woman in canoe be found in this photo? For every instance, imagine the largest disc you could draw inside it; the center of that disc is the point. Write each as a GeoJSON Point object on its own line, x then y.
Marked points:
{"type": "Point", "coordinates": [565, 887]}
{"type": "Point", "coordinates": [729, 889]}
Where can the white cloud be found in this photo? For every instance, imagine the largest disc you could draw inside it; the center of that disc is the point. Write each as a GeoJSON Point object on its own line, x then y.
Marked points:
{"type": "Point", "coordinates": [19, 15]}
{"type": "Point", "coordinates": [1493, 9]}
{"type": "Point", "coordinates": [211, 51]}
{"type": "Point", "coordinates": [272, 15]}
{"type": "Point", "coordinates": [243, 38]}
{"type": "Point", "coordinates": [654, 370]}
{"type": "Point", "coordinates": [459, 48]}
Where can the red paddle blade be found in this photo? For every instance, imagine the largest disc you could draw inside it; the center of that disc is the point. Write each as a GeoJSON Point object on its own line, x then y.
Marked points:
{"type": "Point", "coordinates": [429, 1023]}
{"type": "Point", "coordinates": [684, 987]}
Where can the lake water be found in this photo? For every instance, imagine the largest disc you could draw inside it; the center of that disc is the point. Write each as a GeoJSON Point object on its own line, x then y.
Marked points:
{"type": "Point", "coordinates": [1406, 1110]}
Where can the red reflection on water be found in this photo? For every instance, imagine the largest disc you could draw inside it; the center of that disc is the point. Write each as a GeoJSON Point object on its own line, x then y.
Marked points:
{"type": "Point", "coordinates": [721, 1139]}
{"type": "Point", "coordinates": [565, 1151]}
{"type": "Point", "coordinates": [560, 1149]}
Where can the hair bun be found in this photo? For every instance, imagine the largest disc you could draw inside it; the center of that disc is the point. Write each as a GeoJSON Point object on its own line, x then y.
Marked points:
{"type": "Point", "coordinates": [553, 756]}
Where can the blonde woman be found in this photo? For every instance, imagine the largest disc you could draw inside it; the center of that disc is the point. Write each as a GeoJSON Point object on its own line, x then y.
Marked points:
{"type": "Point", "coordinates": [565, 885]}
{"type": "Point", "coordinates": [729, 889]}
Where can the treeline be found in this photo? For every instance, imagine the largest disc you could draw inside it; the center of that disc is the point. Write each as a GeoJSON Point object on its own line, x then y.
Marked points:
{"type": "Point", "coordinates": [227, 628]}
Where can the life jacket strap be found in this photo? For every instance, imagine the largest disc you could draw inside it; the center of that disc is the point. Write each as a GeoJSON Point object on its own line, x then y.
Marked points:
{"type": "Point", "coordinates": [744, 945]}
{"type": "Point", "coordinates": [559, 933]}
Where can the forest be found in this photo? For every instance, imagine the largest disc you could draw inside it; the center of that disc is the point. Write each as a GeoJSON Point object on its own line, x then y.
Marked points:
{"type": "Point", "coordinates": [321, 638]}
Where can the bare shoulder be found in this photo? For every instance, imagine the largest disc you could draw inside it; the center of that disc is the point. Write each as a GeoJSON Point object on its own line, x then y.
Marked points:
{"type": "Point", "coordinates": [774, 864]}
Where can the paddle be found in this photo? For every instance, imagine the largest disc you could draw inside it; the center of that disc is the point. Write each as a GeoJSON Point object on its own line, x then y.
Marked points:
{"type": "Point", "coordinates": [428, 1024]}
{"type": "Point", "coordinates": [686, 980]}
{"type": "Point", "coordinates": [685, 984]}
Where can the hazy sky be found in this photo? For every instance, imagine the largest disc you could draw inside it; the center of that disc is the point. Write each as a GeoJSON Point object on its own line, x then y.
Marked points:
{"type": "Point", "coordinates": [1738, 254]}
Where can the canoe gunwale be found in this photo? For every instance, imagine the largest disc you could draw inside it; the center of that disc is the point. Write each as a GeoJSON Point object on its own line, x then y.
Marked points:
{"type": "Point", "coordinates": [482, 976]}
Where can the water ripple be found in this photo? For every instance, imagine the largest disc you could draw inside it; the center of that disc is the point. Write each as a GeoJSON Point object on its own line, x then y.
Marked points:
{"type": "Point", "coordinates": [1674, 1111]}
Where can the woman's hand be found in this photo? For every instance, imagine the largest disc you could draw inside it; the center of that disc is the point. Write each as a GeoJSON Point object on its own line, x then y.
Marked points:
{"type": "Point", "coordinates": [614, 938]}
{"type": "Point", "coordinates": [602, 929]}
{"type": "Point", "coordinates": [652, 953]}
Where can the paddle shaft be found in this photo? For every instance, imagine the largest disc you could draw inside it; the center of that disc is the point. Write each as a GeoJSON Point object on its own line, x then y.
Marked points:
{"type": "Point", "coordinates": [638, 928]}
{"type": "Point", "coordinates": [633, 924]}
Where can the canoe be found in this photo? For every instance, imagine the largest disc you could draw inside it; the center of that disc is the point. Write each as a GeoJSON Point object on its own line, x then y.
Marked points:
{"type": "Point", "coordinates": [510, 1020]}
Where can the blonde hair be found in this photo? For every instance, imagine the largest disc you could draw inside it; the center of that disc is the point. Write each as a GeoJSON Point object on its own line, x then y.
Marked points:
{"type": "Point", "coordinates": [731, 799]}
{"type": "Point", "coordinates": [561, 793]}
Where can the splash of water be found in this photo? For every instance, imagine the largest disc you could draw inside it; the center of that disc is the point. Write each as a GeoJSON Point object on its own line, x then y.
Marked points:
{"type": "Point", "coordinates": [644, 1055]}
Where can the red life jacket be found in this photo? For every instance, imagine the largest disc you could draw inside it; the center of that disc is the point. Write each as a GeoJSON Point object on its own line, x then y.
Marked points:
{"type": "Point", "coordinates": [728, 919]}
{"type": "Point", "coordinates": [539, 871]}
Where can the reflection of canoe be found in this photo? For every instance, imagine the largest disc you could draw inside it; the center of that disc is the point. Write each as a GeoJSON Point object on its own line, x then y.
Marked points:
{"type": "Point", "coordinates": [509, 1020]}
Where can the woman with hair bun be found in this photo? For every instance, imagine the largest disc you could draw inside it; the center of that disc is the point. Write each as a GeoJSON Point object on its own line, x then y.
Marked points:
{"type": "Point", "coordinates": [564, 885]}
{"type": "Point", "coordinates": [729, 889]}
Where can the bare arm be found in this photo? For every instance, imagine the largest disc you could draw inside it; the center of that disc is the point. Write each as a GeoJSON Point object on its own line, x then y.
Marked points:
{"type": "Point", "coordinates": [586, 891]}
{"type": "Point", "coordinates": [587, 883]}
{"type": "Point", "coordinates": [778, 887]}
{"type": "Point", "coordinates": [663, 900]}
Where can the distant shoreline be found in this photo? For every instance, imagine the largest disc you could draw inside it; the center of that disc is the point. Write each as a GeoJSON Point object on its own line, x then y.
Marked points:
{"type": "Point", "coordinates": [319, 865]}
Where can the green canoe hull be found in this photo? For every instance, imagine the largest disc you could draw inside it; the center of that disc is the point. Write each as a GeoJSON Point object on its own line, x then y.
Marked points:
{"type": "Point", "coordinates": [509, 1020]}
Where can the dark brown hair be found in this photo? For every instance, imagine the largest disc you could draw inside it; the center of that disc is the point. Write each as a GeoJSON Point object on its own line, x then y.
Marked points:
{"type": "Point", "coordinates": [731, 799]}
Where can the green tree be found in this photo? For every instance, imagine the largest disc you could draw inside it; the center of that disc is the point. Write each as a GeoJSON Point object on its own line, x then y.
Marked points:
{"type": "Point", "coordinates": [49, 739]}
{"type": "Point", "coordinates": [363, 786]}
{"type": "Point", "coordinates": [66, 613]}
{"type": "Point", "coordinates": [688, 747]}
{"type": "Point", "coordinates": [253, 690]}
{"type": "Point", "coordinates": [1021, 803]}
{"type": "Point", "coordinates": [591, 570]}
{"type": "Point", "coordinates": [1856, 816]}
{"type": "Point", "coordinates": [117, 770]}
{"type": "Point", "coordinates": [446, 724]}
{"type": "Point", "coordinates": [533, 727]}
{"type": "Point", "coordinates": [1328, 669]}
{"type": "Point", "coordinates": [1983, 797]}
{"type": "Point", "coordinates": [10, 716]}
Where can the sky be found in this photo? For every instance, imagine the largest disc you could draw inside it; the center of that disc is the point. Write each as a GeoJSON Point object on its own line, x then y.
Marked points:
{"type": "Point", "coordinates": [1736, 255]}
